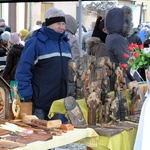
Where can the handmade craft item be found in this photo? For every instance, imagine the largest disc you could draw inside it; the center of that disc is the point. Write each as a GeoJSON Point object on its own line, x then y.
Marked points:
{"type": "Point", "coordinates": [74, 112]}
{"type": "Point", "coordinates": [71, 78]}
{"type": "Point", "coordinates": [137, 98]}
{"type": "Point", "coordinates": [120, 94]}
{"type": "Point", "coordinates": [16, 105]}
{"type": "Point", "coordinates": [67, 126]}
{"type": "Point", "coordinates": [47, 124]}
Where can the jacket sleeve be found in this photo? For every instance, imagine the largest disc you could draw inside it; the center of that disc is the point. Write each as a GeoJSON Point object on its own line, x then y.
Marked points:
{"type": "Point", "coordinates": [2, 52]}
{"type": "Point", "coordinates": [24, 68]}
{"type": "Point", "coordinates": [9, 66]}
{"type": "Point", "coordinates": [74, 49]}
{"type": "Point", "coordinates": [119, 47]}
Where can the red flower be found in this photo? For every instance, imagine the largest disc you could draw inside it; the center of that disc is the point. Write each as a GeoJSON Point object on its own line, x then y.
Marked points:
{"type": "Point", "coordinates": [124, 66]}
{"type": "Point", "coordinates": [137, 58]}
{"type": "Point", "coordinates": [130, 48]}
{"type": "Point", "coordinates": [132, 44]}
{"type": "Point", "coordinates": [135, 45]}
{"type": "Point", "coordinates": [141, 46]}
{"type": "Point", "coordinates": [125, 55]}
{"type": "Point", "coordinates": [136, 54]}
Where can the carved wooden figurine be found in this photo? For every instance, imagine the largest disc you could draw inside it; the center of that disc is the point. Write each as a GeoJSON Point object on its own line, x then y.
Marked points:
{"type": "Point", "coordinates": [84, 67]}
{"type": "Point", "coordinates": [136, 102]}
{"type": "Point", "coordinates": [114, 109]}
{"type": "Point", "coordinates": [105, 86]}
{"type": "Point", "coordinates": [137, 98]}
{"type": "Point", "coordinates": [93, 102]}
{"type": "Point", "coordinates": [122, 108]}
{"type": "Point", "coordinates": [16, 105]}
{"type": "Point", "coordinates": [107, 105]}
{"type": "Point", "coordinates": [71, 78]}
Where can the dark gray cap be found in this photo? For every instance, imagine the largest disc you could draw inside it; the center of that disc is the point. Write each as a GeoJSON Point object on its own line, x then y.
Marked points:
{"type": "Point", "coordinates": [2, 20]}
{"type": "Point", "coordinates": [38, 22]}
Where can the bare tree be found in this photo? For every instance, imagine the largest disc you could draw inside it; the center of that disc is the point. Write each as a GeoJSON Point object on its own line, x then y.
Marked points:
{"type": "Point", "coordinates": [99, 8]}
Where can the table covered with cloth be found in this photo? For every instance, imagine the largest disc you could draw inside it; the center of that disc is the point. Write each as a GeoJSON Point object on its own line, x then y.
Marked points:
{"type": "Point", "coordinates": [122, 141]}
{"type": "Point", "coordinates": [88, 136]}
{"type": "Point", "coordinates": [58, 107]}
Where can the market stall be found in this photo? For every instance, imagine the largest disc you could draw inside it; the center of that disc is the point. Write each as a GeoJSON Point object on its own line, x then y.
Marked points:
{"type": "Point", "coordinates": [123, 140]}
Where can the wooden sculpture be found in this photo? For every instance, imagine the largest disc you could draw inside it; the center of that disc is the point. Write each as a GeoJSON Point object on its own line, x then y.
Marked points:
{"type": "Point", "coordinates": [16, 105]}
{"type": "Point", "coordinates": [80, 74]}
{"type": "Point", "coordinates": [120, 93]}
{"type": "Point", "coordinates": [105, 86]}
{"type": "Point", "coordinates": [103, 73]}
{"type": "Point", "coordinates": [71, 78]}
{"type": "Point", "coordinates": [137, 98]}
{"type": "Point", "coordinates": [114, 109]}
{"type": "Point", "coordinates": [93, 101]}
{"type": "Point", "coordinates": [107, 105]}
{"type": "Point", "coordinates": [74, 112]}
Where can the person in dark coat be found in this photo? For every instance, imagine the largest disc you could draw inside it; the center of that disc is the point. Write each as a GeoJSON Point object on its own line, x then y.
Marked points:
{"type": "Point", "coordinates": [147, 43]}
{"type": "Point", "coordinates": [4, 43]}
{"type": "Point", "coordinates": [99, 30]}
{"type": "Point", "coordinates": [4, 26]}
{"type": "Point", "coordinates": [13, 57]}
{"type": "Point", "coordinates": [118, 23]}
{"type": "Point", "coordinates": [134, 38]}
{"type": "Point", "coordinates": [4, 47]}
{"type": "Point", "coordinates": [96, 44]}
{"type": "Point", "coordinates": [12, 60]}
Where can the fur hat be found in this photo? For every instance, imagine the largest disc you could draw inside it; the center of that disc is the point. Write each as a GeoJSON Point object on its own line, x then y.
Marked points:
{"type": "Point", "coordinates": [119, 20]}
{"type": "Point", "coordinates": [5, 35]}
{"type": "Point", "coordinates": [54, 15]}
{"type": "Point", "coordinates": [15, 38]}
{"type": "Point", "coordinates": [23, 32]}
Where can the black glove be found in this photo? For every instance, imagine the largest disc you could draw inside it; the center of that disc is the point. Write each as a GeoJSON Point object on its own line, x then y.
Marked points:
{"type": "Point", "coordinates": [28, 99]}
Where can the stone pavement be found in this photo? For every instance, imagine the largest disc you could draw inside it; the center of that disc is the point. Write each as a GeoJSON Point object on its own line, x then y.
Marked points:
{"type": "Point", "coordinates": [72, 146]}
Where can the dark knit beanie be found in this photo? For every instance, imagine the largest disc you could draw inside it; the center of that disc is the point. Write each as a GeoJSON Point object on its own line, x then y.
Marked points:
{"type": "Point", "coordinates": [54, 15]}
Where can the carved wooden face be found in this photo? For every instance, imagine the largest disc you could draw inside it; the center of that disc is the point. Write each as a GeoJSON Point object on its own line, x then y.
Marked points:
{"type": "Point", "coordinates": [77, 113]}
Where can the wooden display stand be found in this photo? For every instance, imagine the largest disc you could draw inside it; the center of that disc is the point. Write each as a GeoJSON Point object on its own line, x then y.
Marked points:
{"type": "Point", "coordinates": [4, 99]}
{"type": "Point", "coordinates": [6, 113]}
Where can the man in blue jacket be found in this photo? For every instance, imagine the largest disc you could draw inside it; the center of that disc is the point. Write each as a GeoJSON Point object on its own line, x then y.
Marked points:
{"type": "Point", "coordinates": [43, 67]}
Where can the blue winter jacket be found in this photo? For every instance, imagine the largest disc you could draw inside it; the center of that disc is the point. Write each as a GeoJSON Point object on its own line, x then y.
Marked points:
{"type": "Point", "coordinates": [42, 71]}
